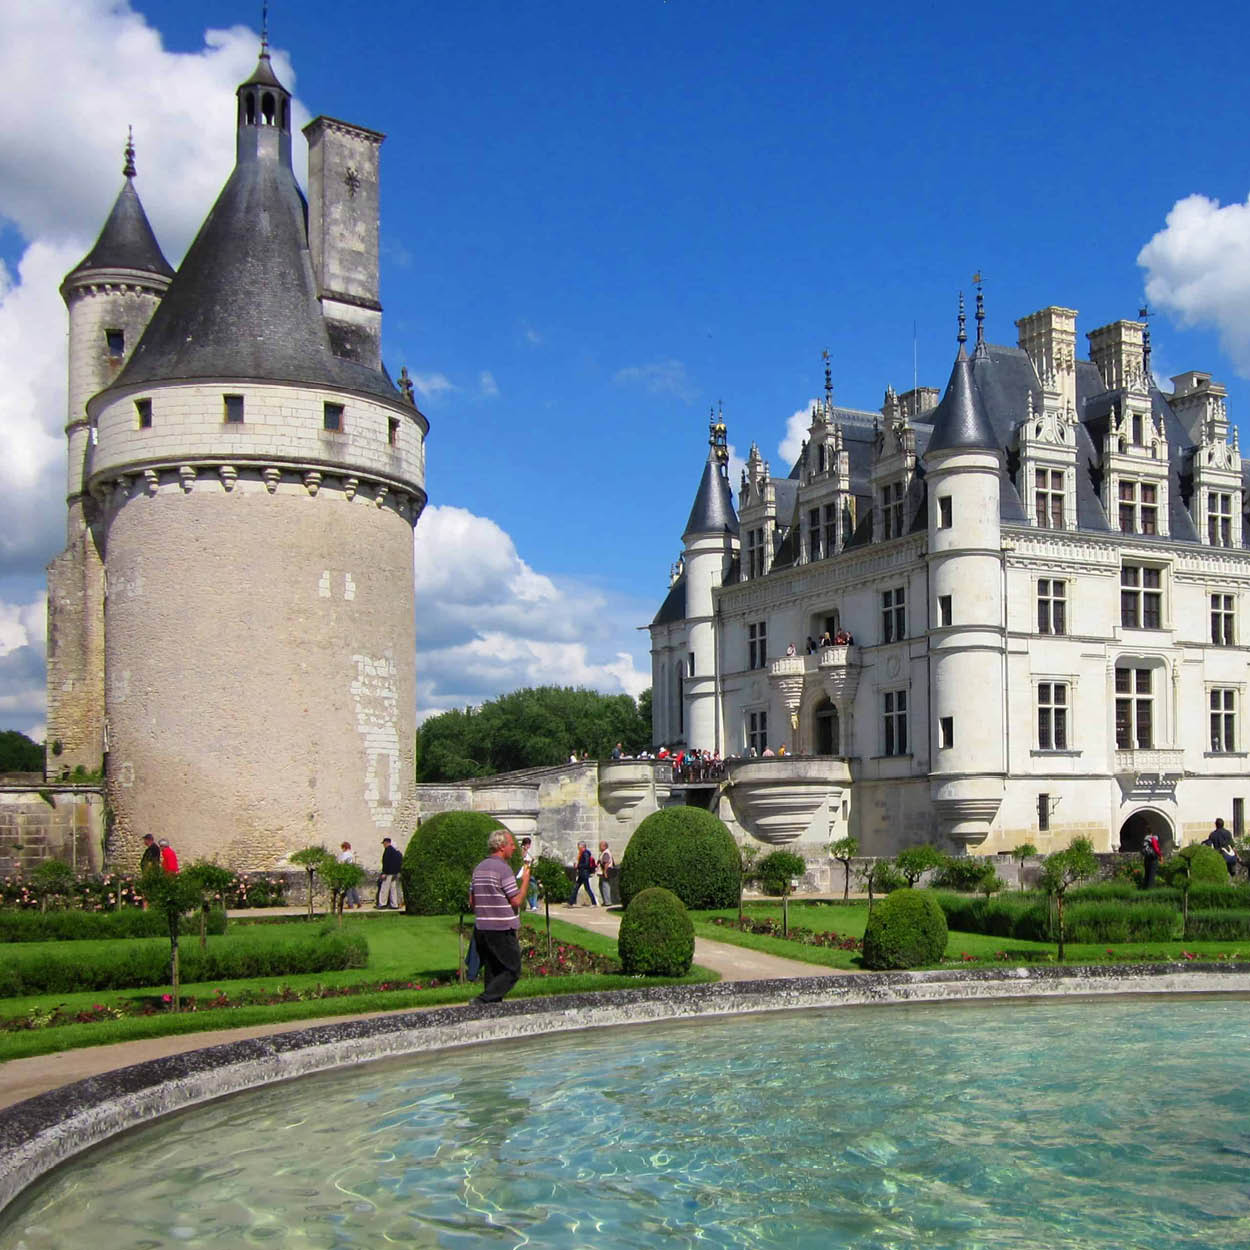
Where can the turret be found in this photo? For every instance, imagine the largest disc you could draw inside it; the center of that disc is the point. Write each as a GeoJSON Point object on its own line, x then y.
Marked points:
{"type": "Point", "coordinates": [963, 468]}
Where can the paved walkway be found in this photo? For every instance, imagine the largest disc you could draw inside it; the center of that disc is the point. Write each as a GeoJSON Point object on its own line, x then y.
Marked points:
{"type": "Point", "coordinates": [24, 1078]}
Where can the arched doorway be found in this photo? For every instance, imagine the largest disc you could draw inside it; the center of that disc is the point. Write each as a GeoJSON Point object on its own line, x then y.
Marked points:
{"type": "Point", "coordinates": [828, 730]}
{"type": "Point", "coordinates": [1134, 830]}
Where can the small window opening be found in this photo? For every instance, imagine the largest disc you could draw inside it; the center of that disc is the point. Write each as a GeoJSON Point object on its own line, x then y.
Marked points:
{"type": "Point", "coordinates": [946, 732]}
{"type": "Point", "coordinates": [116, 340]}
{"type": "Point", "coordinates": [267, 107]}
{"type": "Point", "coordinates": [944, 609]}
{"type": "Point", "coordinates": [250, 107]}
{"type": "Point", "coordinates": [392, 430]}
{"type": "Point", "coordinates": [234, 409]}
{"type": "Point", "coordinates": [333, 418]}
{"type": "Point", "coordinates": [1043, 813]}
{"type": "Point", "coordinates": [143, 408]}
{"type": "Point", "coordinates": [944, 512]}
{"type": "Point", "coordinates": [285, 116]}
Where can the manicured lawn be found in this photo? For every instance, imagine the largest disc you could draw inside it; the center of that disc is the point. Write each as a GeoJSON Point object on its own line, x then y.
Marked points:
{"type": "Point", "coordinates": [401, 949]}
{"type": "Point", "coordinates": [849, 919]}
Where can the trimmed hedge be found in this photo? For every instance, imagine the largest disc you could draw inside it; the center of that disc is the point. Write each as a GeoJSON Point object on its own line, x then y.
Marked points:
{"type": "Point", "coordinates": [1206, 864]}
{"type": "Point", "coordinates": [1145, 917]}
{"type": "Point", "coordinates": [136, 965]}
{"type": "Point", "coordinates": [440, 860]}
{"type": "Point", "coordinates": [1021, 916]}
{"type": "Point", "coordinates": [1217, 925]}
{"type": "Point", "coordinates": [906, 929]}
{"type": "Point", "coordinates": [1114, 922]}
{"type": "Point", "coordinates": [686, 850]}
{"type": "Point", "coordinates": [69, 926]}
{"type": "Point", "coordinates": [656, 936]}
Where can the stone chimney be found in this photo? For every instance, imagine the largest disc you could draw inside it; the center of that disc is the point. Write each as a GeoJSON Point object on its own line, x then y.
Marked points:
{"type": "Point", "coordinates": [343, 234]}
{"type": "Point", "coordinates": [1117, 350]}
{"type": "Point", "coordinates": [1200, 405]}
{"type": "Point", "coordinates": [1049, 337]}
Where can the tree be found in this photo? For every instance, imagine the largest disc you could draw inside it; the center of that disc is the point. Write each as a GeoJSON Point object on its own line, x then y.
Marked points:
{"type": "Point", "coordinates": [879, 876]}
{"type": "Point", "coordinates": [173, 894]}
{"type": "Point", "coordinates": [1064, 869]}
{"type": "Point", "coordinates": [553, 883]}
{"type": "Point", "coordinates": [776, 871]}
{"type": "Point", "coordinates": [528, 729]}
{"type": "Point", "coordinates": [210, 882]}
{"type": "Point", "coordinates": [844, 850]}
{"type": "Point", "coordinates": [52, 878]}
{"type": "Point", "coordinates": [311, 859]}
{"type": "Point", "coordinates": [19, 754]}
{"type": "Point", "coordinates": [915, 861]}
{"type": "Point", "coordinates": [747, 855]}
{"type": "Point", "coordinates": [990, 882]}
{"type": "Point", "coordinates": [1026, 850]}
{"type": "Point", "coordinates": [340, 878]}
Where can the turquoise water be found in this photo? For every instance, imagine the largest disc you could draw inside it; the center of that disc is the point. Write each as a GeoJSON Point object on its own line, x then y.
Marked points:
{"type": "Point", "coordinates": [1104, 1124]}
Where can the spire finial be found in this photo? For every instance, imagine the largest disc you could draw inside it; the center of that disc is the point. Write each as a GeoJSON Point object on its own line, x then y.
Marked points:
{"type": "Point", "coordinates": [717, 436]}
{"type": "Point", "coordinates": [264, 29]}
{"type": "Point", "coordinates": [405, 385]}
{"type": "Point", "coordinates": [962, 336]}
{"type": "Point", "coordinates": [1145, 314]}
{"type": "Point", "coordinates": [976, 277]}
{"type": "Point", "coordinates": [828, 379]}
{"type": "Point", "coordinates": [128, 169]}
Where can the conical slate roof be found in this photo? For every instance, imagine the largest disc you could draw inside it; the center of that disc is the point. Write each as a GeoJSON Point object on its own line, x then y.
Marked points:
{"type": "Point", "coordinates": [713, 510]}
{"type": "Point", "coordinates": [959, 420]}
{"type": "Point", "coordinates": [126, 241]}
{"type": "Point", "coordinates": [244, 302]}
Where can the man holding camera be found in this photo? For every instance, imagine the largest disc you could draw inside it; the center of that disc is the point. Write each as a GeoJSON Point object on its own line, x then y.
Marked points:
{"type": "Point", "coordinates": [496, 897]}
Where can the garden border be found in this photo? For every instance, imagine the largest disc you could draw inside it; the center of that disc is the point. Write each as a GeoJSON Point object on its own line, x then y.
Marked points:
{"type": "Point", "coordinates": [40, 1133]}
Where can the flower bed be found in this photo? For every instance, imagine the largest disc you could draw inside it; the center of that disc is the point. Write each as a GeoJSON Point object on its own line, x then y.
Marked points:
{"type": "Point", "coordinates": [799, 934]}
{"type": "Point", "coordinates": [112, 891]}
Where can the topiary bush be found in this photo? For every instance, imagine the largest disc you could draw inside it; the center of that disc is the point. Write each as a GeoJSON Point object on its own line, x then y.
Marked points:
{"type": "Point", "coordinates": [686, 850]}
{"type": "Point", "coordinates": [1206, 864]}
{"type": "Point", "coordinates": [656, 937]}
{"type": "Point", "coordinates": [906, 929]}
{"type": "Point", "coordinates": [440, 860]}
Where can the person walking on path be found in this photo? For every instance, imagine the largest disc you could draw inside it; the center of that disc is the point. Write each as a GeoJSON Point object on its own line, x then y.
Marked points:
{"type": "Point", "coordinates": [1222, 841]}
{"type": "Point", "coordinates": [169, 861]}
{"type": "Point", "coordinates": [583, 866]}
{"type": "Point", "coordinates": [496, 897]}
{"type": "Point", "coordinates": [1152, 853]}
{"type": "Point", "coordinates": [150, 860]}
{"type": "Point", "coordinates": [606, 864]}
{"type": "Point", "coordinates": [347, 856]}
{"type": "Point", "coordinates": [527, 858]}
{"type": "Point", "coordinates": [388, 884]}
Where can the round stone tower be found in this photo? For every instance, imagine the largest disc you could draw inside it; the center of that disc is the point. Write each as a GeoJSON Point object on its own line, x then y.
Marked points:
{"type": "Point", "coordinates": [258, 477]}
{"type": "Point", "coordinates": [966, 635]}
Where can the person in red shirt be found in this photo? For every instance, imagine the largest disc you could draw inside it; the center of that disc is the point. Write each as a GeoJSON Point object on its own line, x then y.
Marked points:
{"type": "Point", "coordinates": [169, 861]}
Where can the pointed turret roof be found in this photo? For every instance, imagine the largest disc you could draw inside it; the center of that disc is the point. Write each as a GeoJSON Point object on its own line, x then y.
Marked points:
{"type": "Point", "coordinates": [713, 510]}
{"type": "Point", "coordinates": [959, 420]}
{"type": "Point", "coordinates": [126, 241]}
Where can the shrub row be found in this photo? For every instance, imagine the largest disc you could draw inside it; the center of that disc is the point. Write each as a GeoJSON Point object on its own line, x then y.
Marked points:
{"type": "Point", "coordinates": [1029, 918]}
{"type": "Point", "coordinates": [1202, 894]}
{"type": "Point", "coordinates": [136, 966]}
{"type": "Point", "coordinates": [1218, 925]}
{"type": "Point", "coordinates": [130, 922]}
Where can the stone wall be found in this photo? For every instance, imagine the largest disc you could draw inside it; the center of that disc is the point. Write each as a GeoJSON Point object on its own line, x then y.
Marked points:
{"type": "Point", "coordinates": [39, 822]}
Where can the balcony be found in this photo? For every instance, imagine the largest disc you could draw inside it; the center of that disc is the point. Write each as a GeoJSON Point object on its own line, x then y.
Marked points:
{"type": "Point", "coordinates": [1150, 761]}
{"type": "Point", "coordinates": [777, 800]}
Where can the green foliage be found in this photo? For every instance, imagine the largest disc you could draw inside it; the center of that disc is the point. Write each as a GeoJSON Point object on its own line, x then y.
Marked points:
{"type": "Point", "coordinates": [311, 859]}
{"type": "Point", "coordinates": [915, 861]}
{"type": "Point", "coordinates": [844, 850]}
{"type": "Point", "coordinates": [656, 937]}
{"type": "Point", "coordinates": [1024, 918]}
{"type": "Point", "coordinates": [440, 860]}
{"type": "Point", "coordinates": [54, 878]}
{"type": "Point", "coordinates": [1205, 864]}
{"type": "Point", "coordinates": [964, 873]}
{"type": "Point", "coordinates": [879, 876]}
{"type": "Point", "coordinates": [528, 729]}
{"type": "Point", "coordinates": [140, 964]}
{"type": "Point", "coordinates": [1218, 925]}
{"type": "Point", "coordinates": [339, 879]}
{"type": "Point", "coordinates": [68, 926]}
{"type": "Point", "coordinates": [1121, 922]}
{"type": "Point", "coordinates": [686, 850]}
{"type": "Point", "coordinates": [1063, 869]}
{"type": "Point", "coordinates": [19, 754]}
{"type": "Point", "coordinates": [1026, 850]}
{"type": "Point", "coordinates": [209, 879]}
{"type": "Point", "coordinates": [777, 869]}
{"type": "Point", "coordinates": [553, 881]}
{"type": "Point", "coordinates": [906, 929]}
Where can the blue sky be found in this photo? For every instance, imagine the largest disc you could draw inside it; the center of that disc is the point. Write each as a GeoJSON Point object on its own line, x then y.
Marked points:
{"type": "Point", "coordinates": [599, 219]}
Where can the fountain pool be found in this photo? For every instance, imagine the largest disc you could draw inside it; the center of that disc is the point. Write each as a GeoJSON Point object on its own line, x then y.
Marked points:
{"type": "Point", "coordinates": [1059, 1124]}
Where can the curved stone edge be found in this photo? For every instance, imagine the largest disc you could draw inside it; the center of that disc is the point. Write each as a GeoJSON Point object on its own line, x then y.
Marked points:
{"type": "Point", "coordinates": [40, 1133]}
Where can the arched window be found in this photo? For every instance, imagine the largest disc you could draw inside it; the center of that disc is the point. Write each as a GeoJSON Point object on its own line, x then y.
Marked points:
{"type": "Point", "coordinates": [268, 107]}
{"type": "Point", "coordinates": [828, 730]}
{"type": "Point", "coordinates": [250, 106]}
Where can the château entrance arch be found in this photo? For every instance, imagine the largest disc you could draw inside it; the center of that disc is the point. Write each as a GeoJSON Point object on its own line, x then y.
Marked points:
{"type": "Point", "coordinates": [1145, 821]}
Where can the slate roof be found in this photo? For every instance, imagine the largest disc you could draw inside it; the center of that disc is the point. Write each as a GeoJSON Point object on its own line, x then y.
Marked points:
{"type": "Point", "coordinates": [959, 421]}
{"type": "Point", "coordinates": [674, 606]}
{"type": "Point", "coordinates": [126, 241]}
{"type": "Point", "coordinates": [713, 509]}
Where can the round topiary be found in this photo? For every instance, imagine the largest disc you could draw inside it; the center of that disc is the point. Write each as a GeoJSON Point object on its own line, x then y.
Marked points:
{"type": "Point", "coordinates": [656, 937]}
{"type": "Point", "coordinates": [440, 860]}
{"type": "Point", "coordinates": [1206, 865]}
{"type": "Point", "coordinates": [686, 850]}
{"type": "Point", "coordinates": [906, 929]}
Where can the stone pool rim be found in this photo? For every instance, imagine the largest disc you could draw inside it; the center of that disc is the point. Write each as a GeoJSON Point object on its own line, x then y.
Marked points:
{"type": "Point", "coordinates": [40, 1133]}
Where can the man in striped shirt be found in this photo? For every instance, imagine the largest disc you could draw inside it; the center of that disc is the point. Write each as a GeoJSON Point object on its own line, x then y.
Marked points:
{"type": "Point", "coordinates": [496, 897]}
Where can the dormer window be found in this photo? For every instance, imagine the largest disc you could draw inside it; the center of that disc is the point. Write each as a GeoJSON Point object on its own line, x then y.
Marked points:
{"type": "Point", "coordinates": [1220, 519]}
{"type": "Point", "coordinates": [1139, 508]}
{"type": "Point", "coordinates": [1048, 500]}
{"type": "Point", "coordinates": [892, 510]}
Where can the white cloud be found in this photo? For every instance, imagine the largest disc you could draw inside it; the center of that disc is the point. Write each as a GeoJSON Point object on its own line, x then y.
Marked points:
{"type": "Point", "coordinates": [797, 426]}
{"type": "Point", "coordinates": [1198, 268]}
{"type": "Point", "coordinates": [22, 637]}
{"type": "Point", "coordinates": [431, 385]}
{"type": "Point", "coordinates": [487, 385]}
{"type": "Point", "coordinates": [660, 377]}
{"type": "Point", "coordinates": [488, 623]}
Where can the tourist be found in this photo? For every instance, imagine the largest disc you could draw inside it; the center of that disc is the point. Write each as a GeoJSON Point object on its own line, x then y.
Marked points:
{"type": "Point", "coordinates": [496, 896]}
{"type": "Point", "coordinates": [345, 856]}
{"type": "Point", "coordinates": [767, 753]}
{"type": "Point", "coordinates": [811, 645]}
{"type": "Point", "coordinates": [169, 861]}
{"type": "Point", "coordinates": [617, 752]}
{"type": "Point", "coordinates": [842, 639]}
{"type": "Point", "coordinates": [1151, 853]}
{"type": "Point", "coordinates": [150, 860]}
{"type": "Point", "coordinates": [606, 864]}
{"type": "Point", "coordinates": [790, 649]}
{"type": "Point", "coordinates": [388, 883]}
{"type": "Point", "coordinates": [583, 866]}
{"type": "Point", "coordinates": [825, 640]}
{"type": "Point", "coordinates": [572, 757]}
{"type": "Point", "coordinates": [527, 859]}
{"type": "Point", "coordinates": [1222, 841]}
